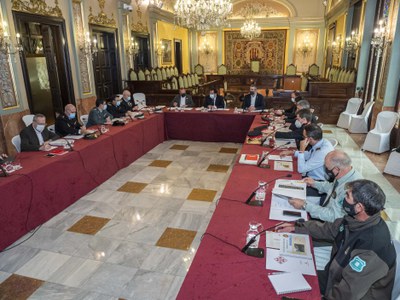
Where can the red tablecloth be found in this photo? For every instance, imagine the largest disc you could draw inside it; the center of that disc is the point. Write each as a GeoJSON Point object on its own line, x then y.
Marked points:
{"type": "Point", "coordinates": [217, 126]}
{"type": "Point", "coordinates": [59, 181]}
{"type": "Point", "coordinates": [221, 271]}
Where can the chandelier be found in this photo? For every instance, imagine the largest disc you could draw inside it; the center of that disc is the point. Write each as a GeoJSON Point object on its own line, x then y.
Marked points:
{"type": "Point", "coordinates": [7, 46]}
{"type": "Point", "coordinates": [202, 14]}
{"type": "Point", "coordinates": [378, 41]}
{"type": "Point", "coordinates": [352, 43]}
{"type": "Point", "coordinates": [250, 29]}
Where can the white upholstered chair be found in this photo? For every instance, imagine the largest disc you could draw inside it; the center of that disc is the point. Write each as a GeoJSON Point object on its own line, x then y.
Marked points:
{"type": "Point", "coordinates": [378, 139]}
{"type": "Point", "coordinates": [84, 119]}
{"type": "Point", "coordinates": [393, 166]}
{"type": "Point", "coordinates": [351, 110]}
{"type": "Point", "coordinates": [28, 119]}
{"type": "Point", "coordinates": [359, 123]}
{"type": "Point", "coordinates": [140, 99]}
{"type": "Point", "coordinates": [16, 141]}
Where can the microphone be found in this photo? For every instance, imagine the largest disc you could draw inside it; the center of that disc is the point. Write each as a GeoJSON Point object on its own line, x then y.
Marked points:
{"type": "Point", "coordinates": [268, 135]}
{"type": "Point", "coordinates": [259, 203]}
{"type": "Point", "coordinates": [259, 252]}
{"type": "Point", "coordinates": [70, 148]}
{"type": "Point", "coordinates": [268, 153]}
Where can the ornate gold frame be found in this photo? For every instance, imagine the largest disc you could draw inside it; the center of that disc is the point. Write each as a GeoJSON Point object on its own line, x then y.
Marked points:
{"type": "Point", "coordinates": [39, 7]}
{"type": "Point", "coordinates": [102, 18]}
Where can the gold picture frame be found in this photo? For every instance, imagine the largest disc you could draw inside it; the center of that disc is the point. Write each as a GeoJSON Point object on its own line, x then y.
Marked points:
{"type": "Point", "coordinates": [167, 54]}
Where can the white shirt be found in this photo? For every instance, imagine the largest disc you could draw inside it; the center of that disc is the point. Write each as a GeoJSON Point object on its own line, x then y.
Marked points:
{"type": "Point", "coordinates": [40, 137]}
{"type": "Point", "coordinates": [183, 101]}
{"type": "Point", "coordinates": [253, 100]}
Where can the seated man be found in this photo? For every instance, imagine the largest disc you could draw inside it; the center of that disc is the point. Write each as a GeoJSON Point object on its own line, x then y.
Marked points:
{"type": "Point", "coordinates": [213, 100]}
{"type": "Point", "coordinates": [99, 115]}
{"type": "Point", "coordinates": [36, 136]}
{"type": "Point", "coordinates": [363, 258]}
{"type": "Point", "coordinates": [127, 104]}
{"type": "Point", "coordinates": [294, 98]}
{"type": "Point", "coordinates": [303, 118]}
{"type": "Point", "coordinates": [311, 163]}
{"type": "Point", "coordinates": [253, 100]}
{"type": "Point", "coordinates": [182, 100]}
{"type": "Point", "coordinates": [67, 123]}
{"type": "Point", "coordinates": [339, 171]}
{"type": "Point", "coordinates": [114, 107]}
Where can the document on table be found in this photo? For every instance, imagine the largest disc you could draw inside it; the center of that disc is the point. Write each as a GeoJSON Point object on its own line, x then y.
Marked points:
{"type": "Point", "coordinates": [283, 166]}
{"type": "Point", "coordinates": [290, 188]}
{"type": "Point", "coordinates": [294, 254]}
{"type": "Point", "coordinates": [279, 204]}
{"type": "Point", "coordinates": [278, 157]}
{"type": "Point", "coordinates": [74, 137]}
{"type": "Point", "coordinates": [281, 142]}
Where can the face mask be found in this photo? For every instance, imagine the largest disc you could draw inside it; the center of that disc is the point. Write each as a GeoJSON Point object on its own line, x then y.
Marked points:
{"type": "Point", "coordinates": [349, 208]}
{"type": "Point", "coordinates": [252, 93]}
{"type": "Point", "coordinates": [183, 95]}
{"type": "Point", "coordinates": [293, 100]}
{"type": "Point", "coordinates": [105, 107]}
{"type": "Point", "coordinates": [72, 116]}
{"type": "Point", "coordinates": [118, 103]}
{"type": "Point", "coordinates": [329, 175]}
{"type": "Point", "coordinates": [128, 99]}
{"type": "Point", "coordinates": [40, 128]}
{"type": "Point", "coordinates": [298, 124]}
{"type": "Point", "coordinates": [211, 96]}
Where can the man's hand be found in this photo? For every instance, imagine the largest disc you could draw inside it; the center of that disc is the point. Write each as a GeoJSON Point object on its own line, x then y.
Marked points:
{"type": "Point", "coordinates": [252, 108]}
{"type": "Point", "coordinates": [285, 227]}
{"type": "Point", "coordinates": [45, 147]}
{"type": "Point", "coordinates": [303, 144]}
{"type": "Point", "coordinates": [175, 104]}
{"type": "Point", "coordinates": [108, 121]}
{"type": "Point", "coordinates": [278, 112]}
{"type": "Point", "coordinates": [309, 181]}
{"type": "Point", "coordinates": [297, 203]}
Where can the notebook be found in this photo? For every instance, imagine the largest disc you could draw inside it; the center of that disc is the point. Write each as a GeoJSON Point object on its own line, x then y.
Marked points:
{"type": "Point", "coordinates": [297, 283]}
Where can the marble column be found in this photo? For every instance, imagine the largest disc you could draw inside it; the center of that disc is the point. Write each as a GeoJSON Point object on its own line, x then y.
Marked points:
{"type": "Point", "coordinates": [392, 85]}
{"type": "Point", "coordinates": [349, 23]}
{"type": "Point", "coordinates": [366, 43]}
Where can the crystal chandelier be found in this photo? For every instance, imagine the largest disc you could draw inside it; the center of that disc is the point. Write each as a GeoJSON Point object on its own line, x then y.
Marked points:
{"type": "Point", "coordinates": [250, 29]}
{"type": "Point", "coordinates": [202, 14]}
{"type": "Point", "coordinates": [378, 41]}
{"type": "Point", "coordinates": [352, 43]}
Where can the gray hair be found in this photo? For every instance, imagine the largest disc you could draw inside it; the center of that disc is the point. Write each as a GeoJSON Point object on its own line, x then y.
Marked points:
{"type": "Point", "coordinates": [304, 104]}
{"type": "Point", "coordinates": [340, 159]}
{"type": "Point", "coordinates": [35, 117]}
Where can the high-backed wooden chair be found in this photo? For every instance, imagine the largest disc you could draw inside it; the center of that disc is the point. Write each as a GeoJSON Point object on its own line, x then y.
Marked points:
{"type": "Point", "coordinates": [185, 82]}
{"type": "Point", "coordinates": [153, 74]}
{"type": "Point", "coordinates": [159, 75]}
{"type": "Point", "coordinates": [291, 70]}
{"type": "Point", "coordinates": [180, 82]}
{"type": "Point", "coordinates": [132, 75]}
{"type": "Point", "coordinates": [174, 83]}
{"type": "Point", "coordinates": [313, 70]}
{"type": "Point", "coordinates": [141, 75]}
{"type": "Point", "coordinates": [222, 70]}
{"type": "Point", "coordinates": [199, 70]}
{"type": "Point", "coordinates": [147, 74]}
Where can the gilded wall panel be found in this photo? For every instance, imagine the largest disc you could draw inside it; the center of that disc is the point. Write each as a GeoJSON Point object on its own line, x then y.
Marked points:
{"type": "Point", "coordinates": [305, 51]}
{"type": "Point", "coordinates": [207, 52]}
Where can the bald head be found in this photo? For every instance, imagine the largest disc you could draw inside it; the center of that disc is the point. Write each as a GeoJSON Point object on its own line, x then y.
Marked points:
{"type": "Point", "coordinates": [339, 159]}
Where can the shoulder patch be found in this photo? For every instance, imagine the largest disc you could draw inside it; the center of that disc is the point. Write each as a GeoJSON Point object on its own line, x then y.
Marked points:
{"type": "Point", "coordinates": [341, 228]}
{"type": "Point", "coordinates": [357, 264]}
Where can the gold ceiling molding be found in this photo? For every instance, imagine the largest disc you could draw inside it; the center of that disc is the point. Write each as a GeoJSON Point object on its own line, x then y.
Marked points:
{"type": "Point", "coordinates": [139, 27]}
{"type": "Point", "coordinates": [38, 7]}
{"type": "Point", "coordinates": [102, 18]}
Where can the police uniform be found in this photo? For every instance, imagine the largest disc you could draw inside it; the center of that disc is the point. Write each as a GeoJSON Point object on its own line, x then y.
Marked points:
{"type": "Point", "coordinates": [65, 126]}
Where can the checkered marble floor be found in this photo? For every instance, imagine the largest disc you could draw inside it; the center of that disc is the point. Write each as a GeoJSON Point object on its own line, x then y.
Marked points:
{"type": "Point", "coordinates": [135, 236]}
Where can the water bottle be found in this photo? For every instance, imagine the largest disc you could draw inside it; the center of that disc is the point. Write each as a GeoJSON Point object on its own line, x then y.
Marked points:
{"type": "Point", "coordinates": [261, 191]}
{"type": "Point", "coordinates": [253, 231]}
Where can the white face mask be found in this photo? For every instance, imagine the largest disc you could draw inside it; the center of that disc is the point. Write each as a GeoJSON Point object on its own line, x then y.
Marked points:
{"type": "Point", "coordinates": [105, 107]}
{"type": "Point", "coordinates": [293, 100]}
{"type": "Point", "coordinates": [40, 128]}
{"type": "Point", "coordinates": [212, 96]}
{"type": "Point", "coordinates": [298, 124]}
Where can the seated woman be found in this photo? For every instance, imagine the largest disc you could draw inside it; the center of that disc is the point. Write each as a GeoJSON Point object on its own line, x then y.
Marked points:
{"type": "Point", "coordinates": [99, 115]}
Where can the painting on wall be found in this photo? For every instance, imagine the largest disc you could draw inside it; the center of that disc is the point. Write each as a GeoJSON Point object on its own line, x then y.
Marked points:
{"type": "Point", "coordinates": [305, 52]}
{"type": "Point", "coordinates": [207, 53]}
{"type": "Point", "coordinates": [269, 49]}
{"type": "Point", "coordinates": [7, 89]}
{"type": "Point", "coordinates": [167, 54]}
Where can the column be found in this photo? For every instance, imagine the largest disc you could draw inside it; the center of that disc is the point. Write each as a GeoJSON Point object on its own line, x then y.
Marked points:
{"type": "Point", "coordinates": [368, 30]}
{"type": "Point", "coordinates": [347, 32]}
{"type": "Point", "coordinates": [392, 84]}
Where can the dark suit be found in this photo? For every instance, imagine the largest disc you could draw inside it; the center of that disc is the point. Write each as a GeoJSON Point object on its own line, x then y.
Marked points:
{"type": "Point", "coordinates": [116, 111]}
{"type": "Point", "coordinates": [30, 141]}
{"type": "Point", "coordinates": [65, 126]}
{"type": "Point", "coordinates": [259, 103]}
{"type": "Point", "coordinates": [126, 106]}
{"type": "Point", "coordinates": [295, 133]}
{"type": "Point", "coordinates": [219, 101]}
{"type": "Point", "coordinates": [189, 100]}
{"type": "Point", "coordinates": [292, 119]}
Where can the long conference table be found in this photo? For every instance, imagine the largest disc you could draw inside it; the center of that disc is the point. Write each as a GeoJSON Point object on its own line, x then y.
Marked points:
{"type": "Point", "coordinates": [47, 185]}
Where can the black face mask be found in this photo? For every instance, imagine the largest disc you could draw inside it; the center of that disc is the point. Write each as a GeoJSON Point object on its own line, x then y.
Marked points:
{"type": "Point", "coordinates": [252, 93]}
{"type": "Point", "coordinates": [349, 208]}
{"type": "Point", "coordinates": [183, 95]}
{"type": "Point", "coordinates": [329, 175]}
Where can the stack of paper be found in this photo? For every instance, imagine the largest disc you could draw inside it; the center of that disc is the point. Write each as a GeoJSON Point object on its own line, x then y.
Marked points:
{"type": "Point", "coordinates": [281, 210]}
{"type": "Point", "coordinates": [249, 159]}
{"type": "Point", "coordinates": [296, 279]}
{"type": "Point", "coordinates": [290, 188]}
{"type": "Point", "coordinates": [294, 253]}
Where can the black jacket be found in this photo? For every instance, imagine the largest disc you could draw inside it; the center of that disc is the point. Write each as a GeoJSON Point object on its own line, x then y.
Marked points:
{"type": "Point", "coordinates": [259, 104]}
{"type": "Point", "coordinates": [65, 126]}
{"type": "Point", "coordinates": [219, 101]}
{"type": "Point", "coordinates": [30, 141]}
{"type": "Point", "coordinates": [127, 106]}
{"type": "Point", "coordinates": [116, 111]}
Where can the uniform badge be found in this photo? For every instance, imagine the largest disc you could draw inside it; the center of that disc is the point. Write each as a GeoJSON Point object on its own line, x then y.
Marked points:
{"type": "Point", "coordinates": [341, 228]}
{"type": "Point", "coordinates": [334, 195]}
{"type": "Point", "coordinates": [357, 264]}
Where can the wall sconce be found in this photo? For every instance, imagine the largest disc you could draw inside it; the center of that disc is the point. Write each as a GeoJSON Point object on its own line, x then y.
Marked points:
{"type": "Point", "coordinates": [133, 49]}
{"type": "Point", "coordinates": [160, 49]}
{"type": "Point", "coordinates": [352, 44]}
{"type": "Point", "coordinates": [306, 47]}
{"type": "Point", "coordinates": [90, 48]}
{"type": "Point", "coordinates": [337, 45]}
{"type": "Point", "coordinates": [206, 48]}
{"type": "Point", "coordinates": [7, 47]}
{"type": "Point", "coordinates": [378, 41]}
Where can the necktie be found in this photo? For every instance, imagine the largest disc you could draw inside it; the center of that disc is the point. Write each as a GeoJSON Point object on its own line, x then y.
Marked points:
{"type": "Point", "coordinates": [327, 199]}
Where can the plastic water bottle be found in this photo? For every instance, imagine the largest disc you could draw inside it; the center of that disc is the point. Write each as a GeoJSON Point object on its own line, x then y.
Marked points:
{"type": "Point", "coordinates": [261, 191]}
{"type": "Point", "coordinates": [253, 231]}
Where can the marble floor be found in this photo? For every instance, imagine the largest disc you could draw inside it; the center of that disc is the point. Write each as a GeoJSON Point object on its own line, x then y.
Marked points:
{"type": "Point", "coordinates": [135, 236]}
